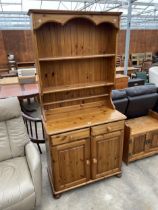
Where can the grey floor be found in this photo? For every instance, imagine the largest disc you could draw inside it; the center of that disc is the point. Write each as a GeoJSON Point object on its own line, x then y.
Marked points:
{"type": "Point", "coordinates": [137, 189]}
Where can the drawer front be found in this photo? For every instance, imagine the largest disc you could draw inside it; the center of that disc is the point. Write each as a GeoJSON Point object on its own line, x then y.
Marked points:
{"type": "Point", "coordinates": [107, 135]}
{"type": "Point", "coordinates": [107, 128]}
{"type": "Point", "coordinates": [70, 136]}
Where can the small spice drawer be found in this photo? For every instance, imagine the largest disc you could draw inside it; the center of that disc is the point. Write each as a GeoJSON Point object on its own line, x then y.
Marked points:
{"type": "Point", "coordinates": [107, 128]}
{"type": "Point", "coordinates": [70, 136]}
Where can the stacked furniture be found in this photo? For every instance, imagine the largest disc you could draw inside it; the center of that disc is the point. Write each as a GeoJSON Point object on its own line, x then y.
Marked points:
{"type": "Point", "coordinates": [27, 75]}
{"type": "Point", "coordinates": [148, 56]}
{"type": "Point", "coordinates": [26, 64]}
{"type": "Point", "coordinates": [12, 62]}
{"type": "Point", "coordinates": [75, 59]}
{"type": "Point", "coordinates": [137, 58]}
{"type": "Point", "coordinates": [20, 165]}
{"type": "Point", "coordinates": [141, 128]}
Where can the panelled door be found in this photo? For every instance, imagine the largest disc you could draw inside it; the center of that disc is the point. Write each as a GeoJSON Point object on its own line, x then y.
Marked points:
{"type": "Point", "coordinates": [71, 164]}
{"type": "Point", "coordinates": [137, 146]}
{"type": "Point", "coordinates": [106, 150]}
{"type": "Point", "coordinates": [152, 140]}
{"type": "Point", "coordinates": [142, 144]}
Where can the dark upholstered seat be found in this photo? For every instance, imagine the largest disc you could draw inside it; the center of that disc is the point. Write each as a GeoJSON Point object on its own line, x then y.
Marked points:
{"type": "Point", "coordinates": [120, 100]}
{"type": "Point", "coordinates": [140, 100]}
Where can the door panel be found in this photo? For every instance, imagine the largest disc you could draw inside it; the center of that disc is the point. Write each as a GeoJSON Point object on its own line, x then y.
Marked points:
{"type": "Point", "coordinates": [71, 164]}
{"type": "Point", "coordinates": [106, 154]}
{"type": "Point", "coordinates": [139, 144]}
{"type": "Point", "coordinates": [153, 140]}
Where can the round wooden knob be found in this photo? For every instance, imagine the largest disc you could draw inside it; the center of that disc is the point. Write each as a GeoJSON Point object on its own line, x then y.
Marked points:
{"type": "Point", "coordinates": [88, 162]}
{"type": "Point", "coordinates": [109, 129]}
{"type": "Point", "coordinates": [94, 160]}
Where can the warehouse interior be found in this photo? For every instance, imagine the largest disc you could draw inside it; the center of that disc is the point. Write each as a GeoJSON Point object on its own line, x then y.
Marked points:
{"type": "Point", "coordinates": [78, 104]}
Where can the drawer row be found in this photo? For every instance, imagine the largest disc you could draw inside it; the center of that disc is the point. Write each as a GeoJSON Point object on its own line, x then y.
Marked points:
{"type": "Point", "coordinates": [85, 133]}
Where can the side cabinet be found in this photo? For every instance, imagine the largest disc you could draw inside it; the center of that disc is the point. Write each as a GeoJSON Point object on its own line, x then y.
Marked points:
{"type": "Point", "coordinates": [140, 146]}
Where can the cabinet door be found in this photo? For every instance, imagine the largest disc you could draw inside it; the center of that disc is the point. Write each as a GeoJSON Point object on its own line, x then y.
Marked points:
{"type": "Point", "coordinates": [71, 164]}
{"type": "Point", "coordinates": [152, 140]}
{"type": "Point", "coordinates": [137, 145]}
{"type": "Point", "coordinates": [106, 154]}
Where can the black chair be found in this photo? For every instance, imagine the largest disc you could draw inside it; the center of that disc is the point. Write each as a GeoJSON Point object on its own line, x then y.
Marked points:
{"type": "Point", "coordinates": [140, 100]}
{"type": "Point", "coordinates": [120, 100]}
{"type": "Point", "coordinates": [35, 130]}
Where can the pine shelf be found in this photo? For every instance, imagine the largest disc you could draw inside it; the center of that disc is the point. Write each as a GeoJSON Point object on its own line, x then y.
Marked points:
{"type": "Point", "coordinates": [64, 88]}
{"type": "Point", "coordinates": [76, 57]}
{"type": "Point", "coordinates": [76, 99]}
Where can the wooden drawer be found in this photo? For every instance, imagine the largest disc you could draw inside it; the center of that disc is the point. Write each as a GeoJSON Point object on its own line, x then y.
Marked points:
{"type": "Point", "coordinates": [70, 136]}
{"type": "Point", "coordinates": [107, 128]}
{"type": "Point", "coordinates": [107, 135]}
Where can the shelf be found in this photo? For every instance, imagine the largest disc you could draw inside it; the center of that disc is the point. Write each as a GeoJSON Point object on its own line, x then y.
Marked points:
{"type": "Point", "coordinates": [75, 99]}
{"type": "Point", "coordinates": [64, 88]}
{"type": "Point", "coordinates": [76, 57]}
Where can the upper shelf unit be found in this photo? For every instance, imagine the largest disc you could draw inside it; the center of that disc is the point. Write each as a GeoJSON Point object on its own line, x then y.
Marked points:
{"type": "Point", "coordinates": [75, 56]}
{"type": "Point", "coordinates": [40, 17]}
{"type": "Point", "coordinates": [79, 38]}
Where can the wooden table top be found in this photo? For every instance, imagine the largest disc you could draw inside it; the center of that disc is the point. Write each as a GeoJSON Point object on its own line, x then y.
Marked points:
{"type": "Point", "coordinates": [16, 89]}
{"type": "Point", "coordinates": [78, 117]}
{"type": "Point", "coordinates": [120, 76]}
{"type": "Point", "coordinates": [143, 124]}
{"type": "Point", "coordinates": [130, 68]}
{"type": "Point", "coordinates": [9, 81]}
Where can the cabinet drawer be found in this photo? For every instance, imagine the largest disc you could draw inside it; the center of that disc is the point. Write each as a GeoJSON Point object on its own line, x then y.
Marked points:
{"type": "Point", "coordinates": [107, 135]}
{"type": "Point", "coordinates": [107, 128]}
{"type": "Point", "coordinates": [70, 136]}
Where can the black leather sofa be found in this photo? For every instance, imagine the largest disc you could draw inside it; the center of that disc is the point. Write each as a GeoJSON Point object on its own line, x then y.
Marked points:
{"type": "Point", "coordinates": [136, 101]}
{"type": "Point", "coordinates": [120, 100]}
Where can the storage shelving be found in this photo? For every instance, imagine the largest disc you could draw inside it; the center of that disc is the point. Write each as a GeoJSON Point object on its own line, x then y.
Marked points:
{"type": "Point", "coordinates": [75, 58]}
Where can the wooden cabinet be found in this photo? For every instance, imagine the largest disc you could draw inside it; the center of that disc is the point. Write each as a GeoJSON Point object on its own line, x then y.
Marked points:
{"type": "Point", "coordinates": [75, 55]}
{"type": "Point", "coordinates": [141, 137]}
{"type": "Point", "coordinates": [71, 164]}
{"type": "Point", "coordinates": [121, 81]}
{"type": "Point", "coordinates": [82, 156]}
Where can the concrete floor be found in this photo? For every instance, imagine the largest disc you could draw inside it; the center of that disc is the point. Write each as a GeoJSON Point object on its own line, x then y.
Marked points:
{"type": "Point", "coordinates": [137, 189]}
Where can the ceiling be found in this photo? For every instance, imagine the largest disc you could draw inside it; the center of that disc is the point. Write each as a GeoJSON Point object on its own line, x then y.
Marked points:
{"type": "Point", "coordinates": [13, 13]}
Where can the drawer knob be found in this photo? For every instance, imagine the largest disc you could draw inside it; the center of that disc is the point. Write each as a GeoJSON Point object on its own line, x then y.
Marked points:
{"type": "Point", "coordinates": [87, 162]}
{"type": "Point", "coordinates": [109, 129]}
{"type": "Point", "coordinates": [94, 160]}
